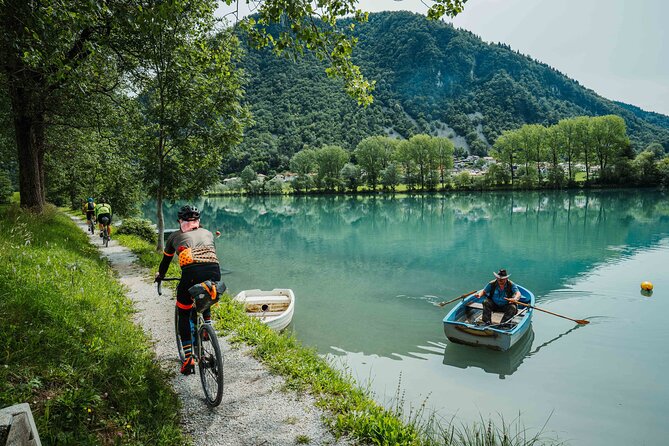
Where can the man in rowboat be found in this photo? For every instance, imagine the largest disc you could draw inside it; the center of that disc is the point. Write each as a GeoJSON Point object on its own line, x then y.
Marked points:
{"type": "Point", "coordinates": [501, 295]}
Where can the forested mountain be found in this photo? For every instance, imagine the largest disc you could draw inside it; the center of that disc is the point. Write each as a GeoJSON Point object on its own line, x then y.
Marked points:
{"type": "Point", "coordinates": [430, 78]}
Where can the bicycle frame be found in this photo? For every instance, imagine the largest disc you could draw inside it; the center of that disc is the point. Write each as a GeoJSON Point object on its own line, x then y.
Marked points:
{"type": "Point", "coordinates": [206, 352]}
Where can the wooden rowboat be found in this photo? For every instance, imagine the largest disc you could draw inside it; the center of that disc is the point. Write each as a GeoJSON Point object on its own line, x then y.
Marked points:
{"type": "Point", "coordinates": [462, 324]}
{"type": "Point", "coordinates": [273, 308]}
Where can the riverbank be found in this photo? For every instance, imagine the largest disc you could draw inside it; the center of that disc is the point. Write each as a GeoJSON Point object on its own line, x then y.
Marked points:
{"type": "Point", "coordinates": [92, 377]}
{"type": "Point", "coordinates": [257, 407]}
{"type": "Point", "coordinates": [350, 411]}
{"type": "Point", "coordinates": [68, 344]}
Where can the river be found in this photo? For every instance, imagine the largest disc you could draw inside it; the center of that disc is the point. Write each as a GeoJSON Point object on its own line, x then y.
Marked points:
{"type": "Point", "coordinates": [366, 271]}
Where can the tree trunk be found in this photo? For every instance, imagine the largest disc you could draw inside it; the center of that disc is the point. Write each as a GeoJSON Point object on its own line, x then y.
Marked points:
{"type": "Point", "coordinates": [160, 220]}
{"type": "Point", "coordinates": [511, 167]}
{"type": "Point", "coordinates": [38, 143]}
{"type": "Point", "coordinates": [30, 175]}
{"type": "Point", "coordinates": [29, 134]}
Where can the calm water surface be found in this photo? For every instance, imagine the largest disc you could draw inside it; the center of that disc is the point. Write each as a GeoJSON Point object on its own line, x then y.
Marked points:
{"type": "Point", "coordinates": [367, 270]}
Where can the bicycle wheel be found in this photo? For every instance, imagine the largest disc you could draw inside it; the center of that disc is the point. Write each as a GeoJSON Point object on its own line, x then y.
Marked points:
{"type": "Point", "coordinates": [182, 355]}
{"type": "Point", "coordinates": [105, 237]}
{"type": "Point", "coordinates": [210, 365]}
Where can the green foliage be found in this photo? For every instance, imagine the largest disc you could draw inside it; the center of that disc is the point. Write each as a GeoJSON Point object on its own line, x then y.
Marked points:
{"type": "Point", "coordinates": [373, 155]}
{"type": "Point", "coordinates": [6, 188]}
{"type": "Point", "coordinates": [429, 76]}
{"type": "Point", "coordinates": [330, 160]}
{"type": "Point", "coordinates": [274, 186]}
{"type": "Point", "coordinates": [527, 178]}
{"type": "Point", "coordinates": [248, 176]}
{"type": "Point", "coordinates": [140, 227]}
{"type": "Point", "coordinates": [464, 181]}
{"type": "Point", "coordinates": [554, 152]}
{"type": "Point", "coordinates": [326, 40]}
{"type": "Point", "coordinates": [302, 183]}
{"type": "Point", "coordinates": [57, 64]}
{"type": "Point", "coordinates": [656, 148]}
{"type": "Point", "coordinates": [350, 174]}
{"type": "Point", "coordinates": [663, 171]}
{"type": "Point", "coordinates": [646, 168]}
{"type": "Point", "coordinates": [86, 163]}
{"type": "Point", "coordinates": [302, 439]}
{"type": "Point", "coordinates": [68, 328]}
{"type": "Point", "coordinates": [390, 177]}
{"type": "Point", "coordinates": [496, 175]}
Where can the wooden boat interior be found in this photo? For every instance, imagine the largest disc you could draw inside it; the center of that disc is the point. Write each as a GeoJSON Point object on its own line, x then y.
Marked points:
{"type": "Point", "coordinates": [474, 312]}
{"type": "Point", "coordinates": [267, 305]}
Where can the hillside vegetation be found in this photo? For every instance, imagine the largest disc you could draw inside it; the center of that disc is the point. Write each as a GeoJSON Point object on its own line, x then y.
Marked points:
{"type": "Point", "coordinates": [430, 78]}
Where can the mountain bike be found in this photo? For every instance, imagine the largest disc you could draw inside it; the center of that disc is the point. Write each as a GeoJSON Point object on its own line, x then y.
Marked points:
{"type": "Point", "coordinates": [206, 349]}
{"type": "Point", "coordinates": [105, 232]}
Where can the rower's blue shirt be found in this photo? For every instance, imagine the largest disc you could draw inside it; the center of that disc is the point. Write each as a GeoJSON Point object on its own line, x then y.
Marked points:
{"type": "Point", "coordinates": [499, 295]}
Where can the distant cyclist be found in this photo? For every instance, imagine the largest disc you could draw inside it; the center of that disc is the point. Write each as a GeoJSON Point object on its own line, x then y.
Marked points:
{"type": "Point", "coordinates": [88, 208]}
{"type": "Point", "coordinates": [103, 214]}
{"type": "Point", "coordinates": [196, 252]}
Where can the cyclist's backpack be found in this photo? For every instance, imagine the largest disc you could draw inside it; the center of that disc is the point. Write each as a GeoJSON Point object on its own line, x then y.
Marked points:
{"type": "Point", "coordinates": [91, 206]}
{"type": "Point", "coordinates": [206, 294]}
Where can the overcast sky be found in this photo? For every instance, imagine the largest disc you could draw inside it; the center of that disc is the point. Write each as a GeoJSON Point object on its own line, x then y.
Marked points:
{"type": "Point", "coordinates": [618, 48]}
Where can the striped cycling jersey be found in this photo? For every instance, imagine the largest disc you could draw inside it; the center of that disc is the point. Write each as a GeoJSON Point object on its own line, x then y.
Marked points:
{"type": "Point", "coordinates": [195, 246]}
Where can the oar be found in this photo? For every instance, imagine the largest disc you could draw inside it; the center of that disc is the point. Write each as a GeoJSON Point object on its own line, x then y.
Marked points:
{"type": "Point", "coordinates": [578, 321]}
{"type": "Point", "coordinates": [441, 304]}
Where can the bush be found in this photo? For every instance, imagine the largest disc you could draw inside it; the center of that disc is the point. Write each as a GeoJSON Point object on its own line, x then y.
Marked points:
{"type": "Point", "coordinates": [140, 227]}
{"type": "Point", "coordinates": [6, 188]}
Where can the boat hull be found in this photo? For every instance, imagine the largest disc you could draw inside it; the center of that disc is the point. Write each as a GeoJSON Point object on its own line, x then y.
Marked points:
{"type": "Point", "coordinates": [460, 326]}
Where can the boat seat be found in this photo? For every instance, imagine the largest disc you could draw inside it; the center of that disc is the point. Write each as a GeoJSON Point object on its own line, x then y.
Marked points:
{"type": "Point", "coordinates": [266, 314]}
{"type": "Point", "coordinates": [266, 306]}
{"type": "Point", "coordinates": [496, 315]}
{"type": "Point", "coordinates": [272, 299]}
{"type": "Point", "coordinates": [479, 306]}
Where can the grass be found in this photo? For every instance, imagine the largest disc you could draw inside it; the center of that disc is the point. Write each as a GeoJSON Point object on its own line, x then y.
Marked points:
{"type": "Point", "coordinates": [68, 345]}
{"type": "Point", "coordinates": [351, 410]}
{"type": "Point", "coordinates": [302, 439]}
{"type": "Point", "coordinates": [579, 177]}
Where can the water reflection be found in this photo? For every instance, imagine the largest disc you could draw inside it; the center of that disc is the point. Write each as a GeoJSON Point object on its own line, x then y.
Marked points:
{"type": "Point", "coordinates": [368, 262]}
{"type": "Point", "coordinates": [547, 343]}
{"type": "Point", "coordinates": [495, 362]}
{"type": "Point", "coordinates": [499, 363]}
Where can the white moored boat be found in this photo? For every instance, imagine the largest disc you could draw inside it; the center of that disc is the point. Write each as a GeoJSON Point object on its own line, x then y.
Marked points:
{"type": "Point", "coordinates": [272, 308]}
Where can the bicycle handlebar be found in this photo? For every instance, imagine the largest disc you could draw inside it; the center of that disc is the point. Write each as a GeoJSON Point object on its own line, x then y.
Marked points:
{"type": "Point", "coordinates": [160, 283]}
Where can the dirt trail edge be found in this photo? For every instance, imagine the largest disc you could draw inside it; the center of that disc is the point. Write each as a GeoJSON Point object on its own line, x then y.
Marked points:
{"type": "Point", "coordinates": [254, 411]}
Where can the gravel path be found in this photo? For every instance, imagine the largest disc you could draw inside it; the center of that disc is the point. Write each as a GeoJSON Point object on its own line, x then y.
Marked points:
{"type": "Point", "coordinates": [254, 411]}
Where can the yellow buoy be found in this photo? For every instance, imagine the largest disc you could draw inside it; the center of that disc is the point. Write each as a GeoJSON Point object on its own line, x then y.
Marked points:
{"type": "Point", "coordinates": [646, 286]}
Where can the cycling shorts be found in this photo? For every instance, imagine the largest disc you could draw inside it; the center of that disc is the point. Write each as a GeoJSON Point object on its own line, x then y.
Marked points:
{"type": "Point", "coordinates": [192, 275]}
{"type": "Point", "coordinates": [102, 217]}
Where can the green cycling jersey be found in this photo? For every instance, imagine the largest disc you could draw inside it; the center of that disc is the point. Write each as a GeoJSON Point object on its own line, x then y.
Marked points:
{"type": "Point", "coordinates": [102, 208]}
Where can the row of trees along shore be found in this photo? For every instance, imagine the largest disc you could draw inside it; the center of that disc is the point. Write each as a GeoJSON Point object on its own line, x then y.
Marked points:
{"type": "Point", "coordinates": [533, 156]}
{"type": "Point", "coordinates": [129, 98]}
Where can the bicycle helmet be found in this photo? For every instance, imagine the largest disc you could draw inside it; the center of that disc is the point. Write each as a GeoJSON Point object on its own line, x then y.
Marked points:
{"type": "Point", "coordinates": [188, 213]}
{"type": "Point", "coordinates": [90, 200]}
